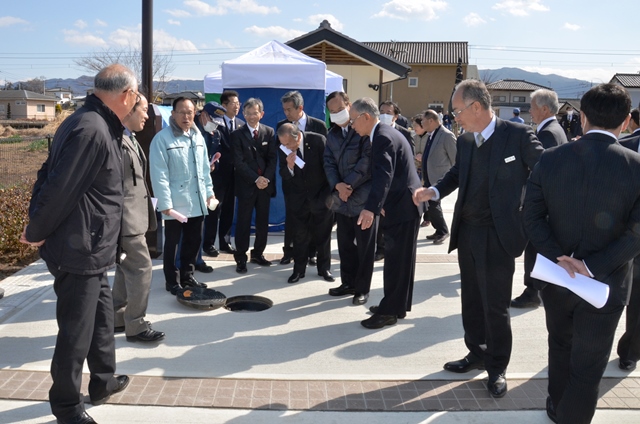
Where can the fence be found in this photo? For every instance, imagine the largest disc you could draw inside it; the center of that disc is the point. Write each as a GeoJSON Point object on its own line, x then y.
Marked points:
{"type": "Point", "coordinates": [21, 158]}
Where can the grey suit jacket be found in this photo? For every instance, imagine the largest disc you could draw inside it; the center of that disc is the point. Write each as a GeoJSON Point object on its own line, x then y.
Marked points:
{"type": "Point", "coordinates": [138, 215]}
{"type": "Point", "coordinates": [551, 134]}
{"type": "Point", "coordinates": [442, 155]}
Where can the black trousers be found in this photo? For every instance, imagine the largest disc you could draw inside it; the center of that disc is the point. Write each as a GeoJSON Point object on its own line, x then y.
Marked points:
{"type": "Point", "coordinates": [258, 201]}
{"type": "Point", "coordinates": [357, 250]}
{"type": "Point", "coordinates": [629, 344]}
{"type": "Point", "coordinates": [580, 341]}
{"type": "Point", "coordinates": [380, 236]}
{"type": "Point", "coordinates": [191, 232]}
{"type": "Point", "coordinates": [486, 277]}
{"type": "Point", "coordinates": [84, 312]}
{"type": "Point", "coordinates": [219, 221]}
{"type": "Point", "coordinates": [399, 267]}
{"type": "Point", "coordinates": [311, 227]}
{"type": "Point", "coordinates": [287, 249]}
{"type": "Point", "coordinates": [437, 218]}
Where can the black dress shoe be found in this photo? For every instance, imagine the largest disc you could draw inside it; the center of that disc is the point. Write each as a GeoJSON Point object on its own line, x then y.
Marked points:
{"type": "Point", "coordinates": [432, 236]}
{"type": "Point", "coordinates": [285, 260]}
{"type": "Point", "coordinates": [327, 276]}
{"type": "Point", "coordinates": [203, 267]}
{"type": "Point", "coordinates": [627, 364]}
{"type": "Point", "coordinates": [497, 385]}
{"type": "Point", "coordinates": [295, 277]}
{"type": "Point", "coordinates": [342, 290]}
{"type": "Point", "coordinates": [374, 310]}
{"type": "Point", "coordinates": [211, 251]}
{"type": "Point", "coordinates": [465, 364]}
{"type": "Point", "coordinates": [228, 250]}
{"type": "Point", "coordinates": [122, 381]}
{"type": "Point", "coordinates": [146, 336]}
{"type": "Point", "coordinates": [83, 418]}
{"type": "Point", "coordinates": [551, 410]}
{"type": "Point", "coordinates": [440, 239]}
{"type": "Point", "coordinates": [174, 289]}
{"type": "Point", "coordinates": [241, 267]}
{"type": "Point", "coordinates": [260, 260]}
{"type": "Point", "coordinates": [191, 281]}
{"type": "Point", "coordinates": [312, 261]}
{"type": "Point", "coordinates": [360, 299]}
{"type": "Point", "coordinates": [528, 299]}
{"type": "Point", "coordinates": [379, 321]}
{"type": "Point", "coordinates": [378, 257]}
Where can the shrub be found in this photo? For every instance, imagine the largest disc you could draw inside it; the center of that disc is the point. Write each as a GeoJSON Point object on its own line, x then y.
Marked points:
{"type": "Point", "coordinates": [14, 204]}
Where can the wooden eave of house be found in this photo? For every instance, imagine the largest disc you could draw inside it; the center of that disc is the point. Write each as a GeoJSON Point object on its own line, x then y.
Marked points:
{"type": "Point", "coordinates": [335, 48]}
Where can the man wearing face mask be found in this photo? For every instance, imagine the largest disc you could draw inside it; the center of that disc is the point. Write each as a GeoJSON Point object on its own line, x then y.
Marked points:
{"type": "Point", "coordinates": [389, 112]}
{"type": "Point", "coordinates": [347, 164]}
{"type": "Point", "coordinates": [571, 124]}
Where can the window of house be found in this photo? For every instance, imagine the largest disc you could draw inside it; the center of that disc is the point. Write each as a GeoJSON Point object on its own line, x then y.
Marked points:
{"type": "Point", "coordinates": [519, 99]}
{"type": "Point", "coordinates": [413, 82]}
{"type": "Point", "coordinates": [499, 99]}
{"type": "Point", "coordinates": [21, 102]}
{"type": "Point", "coordinates": [344, 85]}
{"type": "Point", "coordinates": [40, 108]}
{"type": "Point", "coordinates": [436, 106]}
{"type": "Point", "coordinates": [1, 108]}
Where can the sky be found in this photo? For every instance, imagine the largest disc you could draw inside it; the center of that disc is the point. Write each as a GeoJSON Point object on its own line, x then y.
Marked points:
{"type": "Point", "coordinates": [586, 39]}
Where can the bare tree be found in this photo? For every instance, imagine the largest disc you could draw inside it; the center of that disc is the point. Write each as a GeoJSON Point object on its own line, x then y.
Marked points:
{"type": "Point", "coordinates": [132, 58]}
{"type": "Point", "coordinates": [489, 76]}
{"type": "Point", "coordinates": [36, 85]}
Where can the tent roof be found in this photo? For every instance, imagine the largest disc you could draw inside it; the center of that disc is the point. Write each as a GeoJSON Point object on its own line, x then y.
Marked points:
{"type": "Point", "coordinates": [274, 65]}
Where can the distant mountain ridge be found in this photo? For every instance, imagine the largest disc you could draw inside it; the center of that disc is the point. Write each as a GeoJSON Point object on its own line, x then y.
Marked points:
{"type": "Point", "coordinates": [567, 88]}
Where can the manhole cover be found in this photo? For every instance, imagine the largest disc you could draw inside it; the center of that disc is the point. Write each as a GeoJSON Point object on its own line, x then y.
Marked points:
{"type": "Point", "coordinates": [247, 304]}
{"type": "Point", "coordinates": [199, 298]}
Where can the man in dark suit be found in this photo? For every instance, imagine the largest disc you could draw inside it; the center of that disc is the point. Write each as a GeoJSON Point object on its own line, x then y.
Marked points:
{"type": "Point", "coordinates": [629, 344]}
{"type": "Point", "coordinates": [293, 107]}
{"type": "Point", "coordinates": [582, 211]}
{"type": "Point", "coordinates": [254, 158]}
{"type": "Point", "coordinates": [347, 163]}
{"type": "Point", "coordinates": [393, 180]}
{"type": "Point", "coordinates": [302, 171]}
{"type": "Point", "coordinates": [389, 113]}
{"type": "Point", "coordinates": [219, 221]}
{"type": "Point", "coordinates": [544, 107]}
{"type": "Point", "coordinates": [493, 162]}
{"type": "Point", "coordinates": [571, 125]}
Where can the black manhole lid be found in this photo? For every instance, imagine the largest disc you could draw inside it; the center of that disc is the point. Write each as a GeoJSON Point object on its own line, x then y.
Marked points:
{"type": "Point", "coordinates": [200, 298]}
{"type": "Point", "coordinates": [247, 304]}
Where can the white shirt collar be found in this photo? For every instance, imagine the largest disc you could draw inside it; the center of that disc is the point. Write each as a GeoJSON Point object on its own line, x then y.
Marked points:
{"type": "Point", "coordinates": [253, 129]}
{"type": "Point", "coordinates": [603, 132]}
{"type": "Point", "coordinates": [488, 131]}
{"type": "Point", "coordinates": [542, 124]}
{"type": "Point", "coordinates": [372, 131]}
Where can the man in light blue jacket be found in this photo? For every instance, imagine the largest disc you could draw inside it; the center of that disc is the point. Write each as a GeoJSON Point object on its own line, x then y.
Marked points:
{"type": "Point", "coordinates": [181, 181]}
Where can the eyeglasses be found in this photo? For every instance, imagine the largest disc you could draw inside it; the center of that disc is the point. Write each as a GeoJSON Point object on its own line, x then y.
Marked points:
{"type": "Point", "coordinates": [455, 114]}
{"type": "Point", "coordinates": [232, 103]}
{"type": "Point", "coordinates": [138, 98]}
{"type": "Point", "coordinates": [351, 121]}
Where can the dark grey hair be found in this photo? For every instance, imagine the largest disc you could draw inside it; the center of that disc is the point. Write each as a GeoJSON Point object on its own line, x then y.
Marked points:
{"type": "Point", "coordinates": [294, 97]}
{"type": "Point", "coordinates": [366, 105]}
{"type": "Point", "coordinates": [548, 98]}
{"type": "Point", "coordinates": [288, 129]}
{"type": "Point", "coordinates": [253, 101]}
{"type": "Point", "coordinates": [473, 90]}
{"type": "Point", "coordinates": [115, 78]}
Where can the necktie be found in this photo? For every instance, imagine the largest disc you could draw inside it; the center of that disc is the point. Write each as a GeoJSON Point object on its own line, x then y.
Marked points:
{"type": "Point", "coordinates": [135, 143]}
{"type": "Point", "coordinates": [255, 135]}
{"type": "Point", "coordinates": [299, 153]}
{"type": "Point", "coordinates": [231, 125]}
{"type": "Point", "coordinates": [479, 140]}
{"type": "Point", "coordinates": [345, 131]}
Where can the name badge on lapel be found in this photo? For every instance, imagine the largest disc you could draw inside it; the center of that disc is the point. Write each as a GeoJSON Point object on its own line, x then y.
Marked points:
{"type": "Point", "coordinates": [264, 143]}
{"type": "Point", "coordinates": [509, 159]}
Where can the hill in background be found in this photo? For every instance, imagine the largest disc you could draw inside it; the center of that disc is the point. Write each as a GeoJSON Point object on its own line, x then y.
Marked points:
{"type": "Point", "coordinates": [567, 88]}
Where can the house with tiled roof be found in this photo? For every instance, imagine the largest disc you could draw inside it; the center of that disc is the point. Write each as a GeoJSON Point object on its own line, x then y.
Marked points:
{"type": "Point", "coordinates": [24, 104]}
{"type": "Point", "coordinates": [416, 75]}
{"type": "Point", "coordinates": [506, 95]}
{"type": "Point", "coordinates": [632, 83]}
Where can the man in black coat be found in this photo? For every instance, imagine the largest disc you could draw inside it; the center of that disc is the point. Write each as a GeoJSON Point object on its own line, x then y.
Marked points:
{"type": "Point", "coordinates": [629, 344]}
{"type": "Point", "coordinates": [347, 163]}
{"type": "Point", "coordinates": [394, 179]}
{"type": "Point", "coordinates": [571, 125]}
{"type": "Point", "coordinates": [293, 107]}
{"type": "Point", "coordinates": [74, 217]}
{"type": "Point", "coordinates": [493, 161]}
{"type": "Point", "coordinates": [254, 158]}
{"type": "Point", "coordinates": [582, 211]}
{"type": "Point", "coordinates": [302, 171]}
{"type": "Point", "coordinates": [544, 107]}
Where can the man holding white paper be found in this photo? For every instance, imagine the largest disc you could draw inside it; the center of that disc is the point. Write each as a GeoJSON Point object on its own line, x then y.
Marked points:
{"type": "Point", "coordinates": [582, 210]}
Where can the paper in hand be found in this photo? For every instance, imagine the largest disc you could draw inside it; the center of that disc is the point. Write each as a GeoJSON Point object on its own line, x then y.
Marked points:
{"type": "Point", "coordinates": [287, 152]}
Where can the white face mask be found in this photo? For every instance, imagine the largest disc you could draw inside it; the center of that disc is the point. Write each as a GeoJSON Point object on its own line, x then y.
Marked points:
{"type": "Point", "coordinates": [339, 118]}
{"type": "Point", "coordinates": [387, 119]}
{"type": "Point", "coordinates": [210, 126]}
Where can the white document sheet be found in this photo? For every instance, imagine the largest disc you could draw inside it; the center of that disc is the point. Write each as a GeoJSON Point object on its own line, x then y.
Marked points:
{"type": "Point", "coordinates": [299, 160]}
